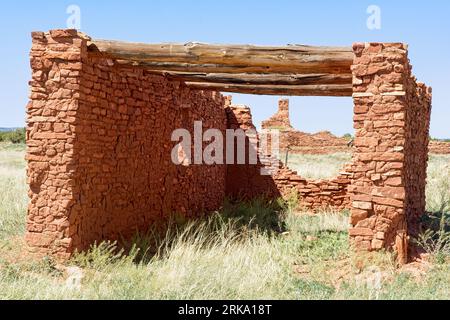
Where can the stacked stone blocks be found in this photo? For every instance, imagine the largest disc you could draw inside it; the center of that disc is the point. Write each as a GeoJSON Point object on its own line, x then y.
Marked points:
{"type": "Point", "coordinates": [99, 148]}
{"type": "Point", "coordinates": [391, 121]}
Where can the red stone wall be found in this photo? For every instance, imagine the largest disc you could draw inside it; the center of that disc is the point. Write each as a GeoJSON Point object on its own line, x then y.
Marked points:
{"type": "Point", "coordinates": [315, 195]}
{"type": "Point", "coordinates": [317, 143]}
{"type": "Point", "coordinates": [391, 126]}
{"type": "Point", "coordinates": [99, 147]}
{"type": "Point", "coordinates": [439, 147]}
{"type": "Point", "coordinates": [280, 120]}
{"type": "Point", "coordinates": [416, 150]}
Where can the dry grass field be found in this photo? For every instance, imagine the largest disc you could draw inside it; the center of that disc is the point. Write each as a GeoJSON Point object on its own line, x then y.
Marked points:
{"type": "Point", "coordinates": [252, 250]}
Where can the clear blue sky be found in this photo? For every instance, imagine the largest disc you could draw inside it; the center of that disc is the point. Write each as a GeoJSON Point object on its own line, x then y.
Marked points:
{"type": "Point", "coordinates": [425, 25]}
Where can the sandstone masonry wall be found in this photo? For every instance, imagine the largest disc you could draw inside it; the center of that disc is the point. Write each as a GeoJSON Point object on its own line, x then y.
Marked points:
{"type": "Point", "coordinates": [317, 143]}
{"type": "Point", "coordinates": [439, 147]}
{"type": "Point", "coordinates": [280, 120]}
{"type": "Point", "coordinates": [416, 150]}
{"type": "Point", "coordinates": [99, 147]}
{"type": "Point", "coordinates": [391, 122]}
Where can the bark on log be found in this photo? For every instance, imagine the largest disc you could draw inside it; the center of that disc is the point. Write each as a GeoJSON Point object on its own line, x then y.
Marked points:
{"type": "Point", "coordinates": [336, 90]}
{"type": "Point", "coordinates": [198, 57]}
{"type": "Point", "coordinates": [257, 78]}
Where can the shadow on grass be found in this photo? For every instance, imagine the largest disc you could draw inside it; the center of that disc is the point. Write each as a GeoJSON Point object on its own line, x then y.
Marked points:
{"type": "Point", "coordinates": [236, 221]}
{"type": "Point", "coordinates": [436, 221]}
{"type": "Point", "coordinates": [263, 216]}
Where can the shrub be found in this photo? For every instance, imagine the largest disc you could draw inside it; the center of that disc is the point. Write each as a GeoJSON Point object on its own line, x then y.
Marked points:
{"type": "Point", "coordinates": [436, 239]}
{"type": "Point", "coordinates": [347, 136]}
{"type": "Point", "coordinates": [17, 136]}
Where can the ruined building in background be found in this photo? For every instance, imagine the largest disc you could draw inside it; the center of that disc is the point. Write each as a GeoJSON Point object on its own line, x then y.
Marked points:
{"type": "Point", "coordinates": [301, 142]}
{"type": "Point", "coordinates": [439, 147]}
{"type": "Point", "coordinates": [102, 113]}
{"type": "Point", "coordinates": [281, 119]}
{"type": "Point", "coordinates": [323, 142]}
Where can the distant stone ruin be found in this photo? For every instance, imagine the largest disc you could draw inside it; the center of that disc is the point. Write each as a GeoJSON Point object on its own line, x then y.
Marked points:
{"type": "Point", "coordinates": [301, 142]}
{"type": "Point", "coordinates": [323, 142]}
{"type": "Point", "coordinates": [281, 119]}
{"type": "Point", "coordinates": [439, 147]}
{"type": "Point", "coordinates": [101, 115]}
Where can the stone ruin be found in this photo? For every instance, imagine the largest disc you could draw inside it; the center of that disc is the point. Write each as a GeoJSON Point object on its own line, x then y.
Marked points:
{"type": "Point", "coordinates": [324, 142]}
{"type": "Point", "coordinates": [439, 147]}
{"type": "Point", "coordinates": [295, 141]}
{"type": "Point", "coordinates": [281, 119]}
{"type": "Point", "coordinates": [101, 115]}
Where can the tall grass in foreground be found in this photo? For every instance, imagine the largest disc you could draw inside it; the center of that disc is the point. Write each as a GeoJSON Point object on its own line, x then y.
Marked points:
{"type": "Point", "coordinates": [253, 250]}
{"type": "Point", "coordinates": [13, 195]}
{"type": "Point", "coordinates": [219, 257]}
{"type": "Point", "coordinates": [438, 184]}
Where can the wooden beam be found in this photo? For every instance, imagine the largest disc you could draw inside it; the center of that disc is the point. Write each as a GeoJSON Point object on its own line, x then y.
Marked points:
{"type": "Point", "coordinates": [257, 78]}
{"type": "Point", "coordinates": [335, 90]}
{"type": "Point", "coordinates": [198, 57]}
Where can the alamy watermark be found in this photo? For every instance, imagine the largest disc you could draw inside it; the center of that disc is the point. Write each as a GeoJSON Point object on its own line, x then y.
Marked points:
{"type": "Point", "coordinates": [211, 147]}
{"type": "Point", "coordinates": [74, 19]}
{"type": "Point", "coordinates": [374, 20]}
{"type": "Point", "coordinates": [374, 282]}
